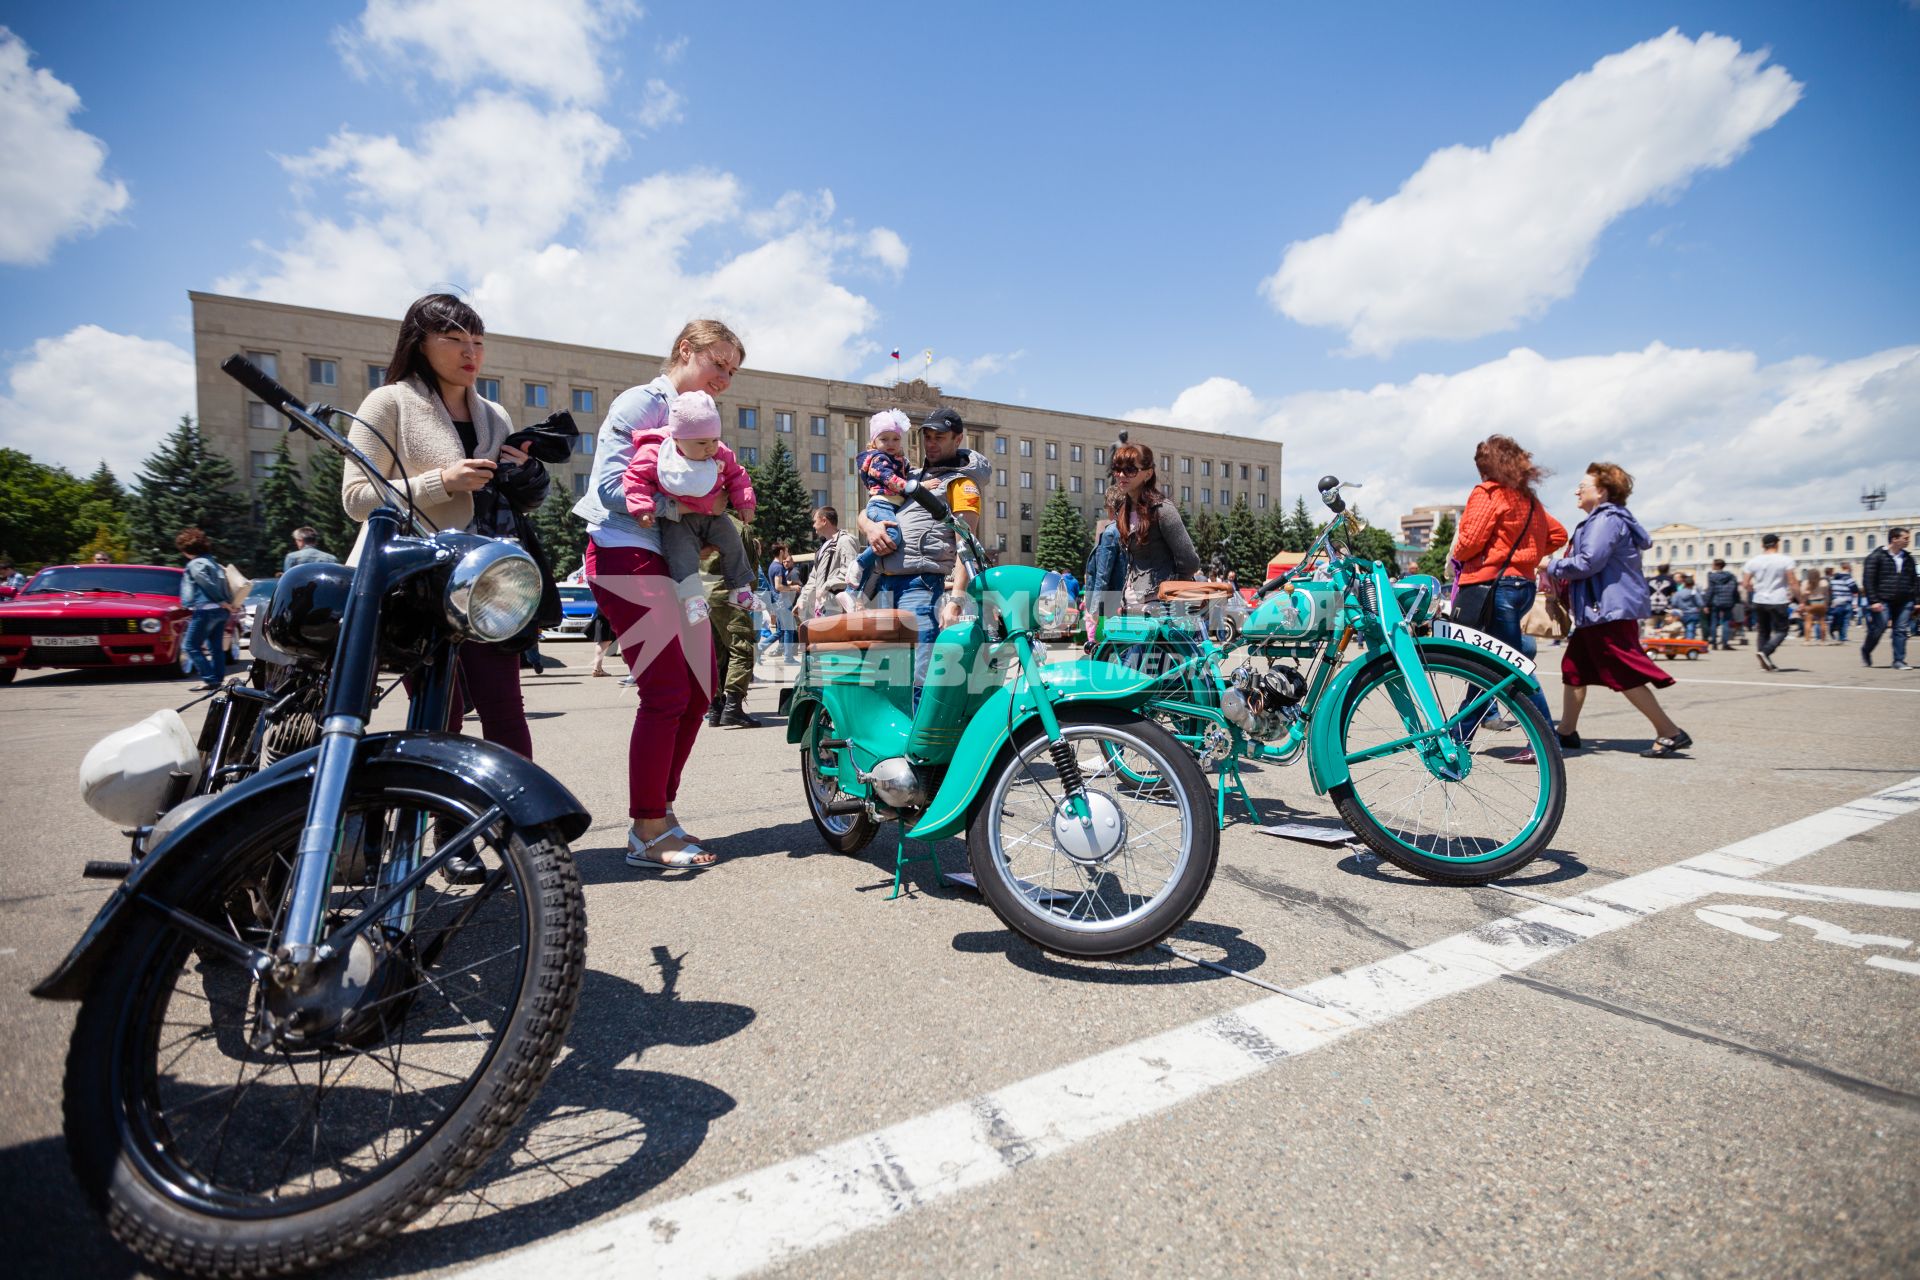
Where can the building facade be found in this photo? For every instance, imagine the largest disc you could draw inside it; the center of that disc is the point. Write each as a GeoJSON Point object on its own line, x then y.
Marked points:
{"type": "Point", "coordinates": [1814, 544]}
{"type": "Point", "coordinates": [1416, 528]}
{"type": "Point", "coordinates": [336, 358]}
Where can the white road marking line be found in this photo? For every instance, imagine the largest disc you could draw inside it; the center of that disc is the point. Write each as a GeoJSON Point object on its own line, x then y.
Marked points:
{"type": "Point", "coordinates": [1898, 966]}
{"type": "Point", "coordinates": [1789, 684]}
{"type": "Point", "coordinates": [815, 1200]}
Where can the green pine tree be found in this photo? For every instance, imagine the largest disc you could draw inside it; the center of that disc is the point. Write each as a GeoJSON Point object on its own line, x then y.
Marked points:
{"type": "Point", "coordinates": [104, 517]}
{"type": "Point", "coordinates": [116, 546]}
{"type": "Point", "coordinates": [43, 511]}
{"type": "Point", "coordinates": [1300, 529]}
{"type": "Point", "coordinates": [283, 507]}
{"type": "Point", "coordinates": [1434, 559]}
{"type": "Point", "coordinates": [1063, 543]}
{"type": "Point", "coordinates": [1245, 553]}
{"type": "Point", "coordinates": [324, 511]}
{"type": "Point", "coordinates": [563, 535]}
{"type": "Point", "coordinates": [181, 484]}
{"type": "Point", "coordinates": [785, 513]}
{"type": "Point", "coordinates": [1205, 532]}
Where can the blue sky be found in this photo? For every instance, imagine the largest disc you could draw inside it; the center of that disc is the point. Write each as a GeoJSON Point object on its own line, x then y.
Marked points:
{"type": "Point", "coordinates": [1690, 252]}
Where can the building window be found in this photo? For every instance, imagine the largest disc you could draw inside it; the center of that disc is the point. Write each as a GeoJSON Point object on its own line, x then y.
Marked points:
{"type": "Point", "coordinates": [580, 485]}
{"type": "Point", "coordinates": [1053, 451]}
{"type": "Point", "coordinates": [1243, 471]}
{"type": "Point", "coordinates": [583, 399]}
{"type": "Point", "coordinates": [1689, 551]}
{"type": "Point", "coordinates": [1206, 497]}
{"type": "Point", "coordinates": [1076, 484]}
{"type": "Point", "coordinates": [1000, 478]}
{"type": "Point", "coordinates": [1026, 512]}
{"type": "Point", "coordinates": [1076, 454]}
{"type": "Point", "coordinates": [1829, 546]}
{"type": "Point", "coordinates": [819, 462]}
{"type": "Point", "coordinates": [583, 443]}
{"type": "Point", "coordinates": [783, 421]}
{"type": "Point", "coordinates": [1000, 510]}
{"type": "Point", "coordinates": [1000, 444]}
{"type": "Point", "coordinates": [1206, 469]}
{"type": "Point", "coordinates": [258, 415]}
{"type": "Point", "coordinates": [1026, 448]}
{"type": "Point", "coordinates": [1263, 502]}
{"type": "Point", "coordinates": [1053, 482]}
{"type": "Point", "coordinates": [1000, 542]}
{"type": "Point", "coordinates": [819, 497]}
{"type": "Point", "coordinates": [1186, 493]}
{"type": "Point", "coordinates": [1026, 544]}
{"type": "Point", "coordinates": [1849, 542]}
{"type": "Point", "coordinates": [1099, 484]}
{"type": "Point", "coordinates": [1746, 548]}
{"type": "Point", "coordinates": [1806, 545]}
{"type": "Point", "coordinates": [817, 424]}
{"type": "Point", "coordinates": [749, 456]}
{"type": "Point", "coordinates": [269, 362]}
{"type": "Point", "coordinates": [323, 373]}
{"type": "Point", "coordinates": [489, 388]}
{"type": "Point", "coordinates": [376, 374]}
{"type": "Point", "coordinates": [1872, 542]}
{"type": "Point", "coordinates": [749, 419]}
{"type": "Point", "coordinates": [262, 463]}
{"type": "Point", "coordinates": [1026, 479]}
{"type": "Point", "coordinates": [1186, 466]}
{"type": "Point", "coordinates": [1099, 455]}
{"type": "Point", "coordinates": [1263, 475]}
{"type": "Point", "coordinates": [536, 397]}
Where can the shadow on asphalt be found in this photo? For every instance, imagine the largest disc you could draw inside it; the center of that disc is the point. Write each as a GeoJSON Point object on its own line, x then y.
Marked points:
{"type": "Point", "coordinates": [1552, 867]}
{"type": "Point", "coordinates": [1148, 967]}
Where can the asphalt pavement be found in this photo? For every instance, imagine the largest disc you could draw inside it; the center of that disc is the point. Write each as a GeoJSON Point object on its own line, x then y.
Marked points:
{"type": "Point", "coordinates": [1684, 1043]}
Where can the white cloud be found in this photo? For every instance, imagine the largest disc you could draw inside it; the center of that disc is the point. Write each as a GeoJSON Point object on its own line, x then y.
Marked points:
{"type": "Point", "coordinates": [51, 184]}
{"type": "Point", "coordinates": [1481, 238]}
{"type": "Point", "coordinates": [671, 51]}
{"type": "Point", "coordinates": [949, 373]}
{"type": "Point", "coordinates": [571, 257]}
{"type": "Point", "coordinates": [91, 394]}
{"type": "Point", "coordinates": [552, 47]}
{"type": "Point", "coordinates": [661, 105]}
{"type": "Point", "coordinates": [1708, 435]}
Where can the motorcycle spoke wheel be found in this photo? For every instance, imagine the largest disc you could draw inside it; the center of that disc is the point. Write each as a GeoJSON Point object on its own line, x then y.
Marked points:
{"type": "Point", "coordinates": [1466, 826]}
{"type": "Point", "coordinates": [1129, 896]}
{"type": "Point", "coordinates": [843, 832]}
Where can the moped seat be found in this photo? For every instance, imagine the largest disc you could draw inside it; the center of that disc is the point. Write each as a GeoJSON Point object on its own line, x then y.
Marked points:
{"type": "Point", "coordinates": [866, 630]}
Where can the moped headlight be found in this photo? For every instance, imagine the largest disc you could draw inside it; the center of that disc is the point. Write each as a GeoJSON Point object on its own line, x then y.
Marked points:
{"type": "Point", "coordinates": [1051, 604]}
{"type": "Point", "coordinates": [493, 591]}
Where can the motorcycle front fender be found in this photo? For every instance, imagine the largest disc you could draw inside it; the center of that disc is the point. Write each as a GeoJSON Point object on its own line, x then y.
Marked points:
{"type": "Point", "coordinates": [472, 770]}
{"type": "Point", "coordinates": [1327, 754]}
{"type": "Point", "coordinates": [1000, 717]}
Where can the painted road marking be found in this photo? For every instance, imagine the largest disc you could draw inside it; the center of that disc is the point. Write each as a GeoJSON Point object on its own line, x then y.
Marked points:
{"type": "Point", "coordinates": [1789, 684]}
{"type": "Point", "coordinates": [782, 1211]}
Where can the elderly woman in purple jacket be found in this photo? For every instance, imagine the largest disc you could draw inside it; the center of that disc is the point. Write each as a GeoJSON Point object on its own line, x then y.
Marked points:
{"type": "Point", "coordinates": [1608, 597]}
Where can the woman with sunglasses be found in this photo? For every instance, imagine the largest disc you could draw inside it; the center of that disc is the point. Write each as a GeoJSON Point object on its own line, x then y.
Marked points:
{"type": "Point", "coordinates": [1152, 538]}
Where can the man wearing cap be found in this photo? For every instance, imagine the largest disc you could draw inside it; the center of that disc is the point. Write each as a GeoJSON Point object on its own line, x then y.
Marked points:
{"type": "Point", "coordinates": [918, 570]}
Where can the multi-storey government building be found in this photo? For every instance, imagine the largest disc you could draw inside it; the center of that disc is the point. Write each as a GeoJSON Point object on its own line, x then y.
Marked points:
{"type": "Point", "coordinates": [337, 358]}
{"type": "Point", "coordinates": [1814, 544]}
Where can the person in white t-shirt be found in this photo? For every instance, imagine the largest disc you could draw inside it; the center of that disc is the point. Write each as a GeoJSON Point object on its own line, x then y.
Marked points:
{"type": "Point", "coordinates": [1773, 582]}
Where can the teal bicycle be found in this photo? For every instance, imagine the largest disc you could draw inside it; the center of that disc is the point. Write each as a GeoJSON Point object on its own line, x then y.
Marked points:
{"type": "Point", "coordinates": [1430, 745]}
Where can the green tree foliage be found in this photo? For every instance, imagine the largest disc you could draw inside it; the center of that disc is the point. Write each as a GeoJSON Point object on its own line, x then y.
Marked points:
{"type": "Point", "coordinates": [106, 512]}
{"type": "Point", "coordinates": [1206, 532]}
{"type": "Point", "coordinates": [1300, 529]}
{"type": "Point", "coordinates": [1372, 542]}
{"type": "Point", "coordinates": [184, 483]}
{"type": "Point", "coordinates": [1246, 553]}
{"type": "Point", "coordinates": [1434, 559]}
{"type": "Point", "coordinates": [324, 511]}
{"type": "Point", "coordinates": [1064, 543]}
{"type": "Point", "coordinates": [1273, 534]}
{"type": "Point", "coordinates": [42, 511]}
{"type": "Point", "coordinates": [785, 513]}
{"type": "Point", "coordinates": [115, 544]}
{"type": "Point", "coordinates": [283, 508]}
{"type": "Point", "coordinates": [563, 535]}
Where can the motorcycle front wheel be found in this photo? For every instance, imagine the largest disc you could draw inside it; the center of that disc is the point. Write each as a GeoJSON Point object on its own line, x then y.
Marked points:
{"type": "Point", "coordinates": [1467, 827]}
{"type": "Point", "coordinates": [215, 1149]}
{"type": "Point", "coordinates": [1127, 877]}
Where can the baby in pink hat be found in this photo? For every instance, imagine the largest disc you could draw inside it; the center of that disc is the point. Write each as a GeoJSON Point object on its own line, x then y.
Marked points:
{"type": "Point", "coordinates": [678, 477]}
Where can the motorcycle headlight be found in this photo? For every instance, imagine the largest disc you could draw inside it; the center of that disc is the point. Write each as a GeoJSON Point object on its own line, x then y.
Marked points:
{"type": "Point", "coordinates": [1051, 604]}
{"type": "Point", "coordinates": [493, 591]}
{"type": "Point", "coordinates": [150, 625]}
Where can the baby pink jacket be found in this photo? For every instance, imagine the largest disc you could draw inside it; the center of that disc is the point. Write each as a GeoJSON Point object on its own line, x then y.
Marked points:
{"type": "Point", "coordinates": [642, 480]}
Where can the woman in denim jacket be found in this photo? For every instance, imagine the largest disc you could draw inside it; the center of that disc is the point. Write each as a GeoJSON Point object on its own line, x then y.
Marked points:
{"type": "Point", "coordinates": [209, 602]}
{"type": "Point", "coordinates": [1608, 597]}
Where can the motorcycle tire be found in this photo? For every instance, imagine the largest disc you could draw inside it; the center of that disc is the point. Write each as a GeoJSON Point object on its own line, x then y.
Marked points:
{"type": "Point", "coordinates": [843, 832]}
{"type": "Point", "coordinates": [1513, 839]}
{"type": "Point", "coordinates": [144, 1174]}
{"type": "Point", "coordinates": [1137, 769]}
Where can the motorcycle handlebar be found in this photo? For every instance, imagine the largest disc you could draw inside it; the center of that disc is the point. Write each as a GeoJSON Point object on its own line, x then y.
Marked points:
{"type": "Point", "coordinates": [255, 379]}
{"type": "Point", "coordinates": [930, 502]}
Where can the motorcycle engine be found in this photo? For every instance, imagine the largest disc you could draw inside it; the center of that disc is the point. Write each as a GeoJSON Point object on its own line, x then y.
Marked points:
{"type": "Point", "coordinates": [1263, 703]}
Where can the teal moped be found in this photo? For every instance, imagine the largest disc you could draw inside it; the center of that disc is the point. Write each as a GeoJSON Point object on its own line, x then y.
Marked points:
{"type": "Point", "coordinates": [1089, 827]}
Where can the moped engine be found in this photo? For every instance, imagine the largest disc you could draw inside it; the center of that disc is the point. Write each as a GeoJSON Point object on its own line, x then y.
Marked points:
{"type": "Point", "coordinates": [1263, 703]}
{"type": "Point", "coordinates": [896, 784]}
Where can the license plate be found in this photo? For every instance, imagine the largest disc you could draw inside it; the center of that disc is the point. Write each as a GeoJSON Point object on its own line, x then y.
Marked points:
{"type": "Point", "coordinates": [66, 642]}
{"type": "Point", "coordinates": [1481, 640]}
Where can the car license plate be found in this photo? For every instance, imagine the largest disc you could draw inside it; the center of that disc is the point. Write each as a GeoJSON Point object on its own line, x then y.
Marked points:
{"type": "Point", "coordinates": [1481, 640]}
{"type": "Point", "coordinates": [66, 642]}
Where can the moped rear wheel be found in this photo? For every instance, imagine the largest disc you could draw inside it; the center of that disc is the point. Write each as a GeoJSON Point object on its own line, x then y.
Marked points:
{"type": "Point", "coordinates": [1123, 882]}
{"type": "Point", "coordinates": [843, 832]}
{"type": "Point", "coordinates": [213, 1149]}
{"type": "Point", "coordinates": [1487, 820]}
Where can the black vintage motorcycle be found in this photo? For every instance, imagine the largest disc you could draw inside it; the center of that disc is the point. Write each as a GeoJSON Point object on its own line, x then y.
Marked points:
{"type": "Point", "coordinates": [330, 983]}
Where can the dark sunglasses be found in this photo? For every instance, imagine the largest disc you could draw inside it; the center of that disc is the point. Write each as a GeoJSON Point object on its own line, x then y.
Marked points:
{"type": "Point", "coordinates": [1125, 469]}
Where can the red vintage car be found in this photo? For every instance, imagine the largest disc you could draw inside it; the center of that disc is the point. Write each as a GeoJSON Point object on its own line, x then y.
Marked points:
{"type": "Point", "coordinates": [94, 615]}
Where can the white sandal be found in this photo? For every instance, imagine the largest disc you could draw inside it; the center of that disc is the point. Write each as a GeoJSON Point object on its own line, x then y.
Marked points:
{"type": "Point", "coordinates": [687, 858]}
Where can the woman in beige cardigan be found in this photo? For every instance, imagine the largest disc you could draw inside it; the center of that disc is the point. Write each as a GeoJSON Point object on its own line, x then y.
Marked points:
{"type": "Point", "coordinates": [445, 457]}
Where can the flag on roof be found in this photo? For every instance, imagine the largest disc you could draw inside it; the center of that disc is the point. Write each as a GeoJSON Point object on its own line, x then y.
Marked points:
{"type": "Point", "coordinates": [896, 353]}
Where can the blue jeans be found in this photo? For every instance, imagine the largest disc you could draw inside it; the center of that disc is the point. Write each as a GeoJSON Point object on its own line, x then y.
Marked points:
{"type": "Point", "coordinates": [1691, 621]}
{"type": "Point", "coordinates": [206, 642]}
{"type": "Point", "coordinates": [918, 594]}
{"type": "Point", "coordinates": [1720, 625]}
{"type": "Point", "coordinates": [1837, 618]}
{"type": "Point", "coordinates": [1512, 597]}
{"type": "Point", "coordinates": [1898, 613]}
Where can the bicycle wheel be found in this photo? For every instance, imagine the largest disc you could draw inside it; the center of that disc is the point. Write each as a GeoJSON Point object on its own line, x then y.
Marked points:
{"type": "Point", "coordinates": [843, 832]}
{"type": "Point", "coordinates": [1141, 873]}
{"type": "Point", "coordinates": [1496, 815]}
{"type": "Point", "coordinates": [217, 1148]}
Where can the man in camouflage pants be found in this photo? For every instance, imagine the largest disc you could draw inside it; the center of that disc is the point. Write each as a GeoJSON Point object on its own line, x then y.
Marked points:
{"type": "Point", "coordinates": [733, 642]}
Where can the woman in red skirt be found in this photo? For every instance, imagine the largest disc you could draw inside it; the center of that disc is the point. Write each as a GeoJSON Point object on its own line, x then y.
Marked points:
{"type": "Point", "coordinates": [1608, 597]}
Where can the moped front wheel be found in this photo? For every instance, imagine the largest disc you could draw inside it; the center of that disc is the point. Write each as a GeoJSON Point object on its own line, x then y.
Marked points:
{"type": "Point", "coordinates": [843, 832]}
{"type": "Point", "coordinates": [216, 1144]}
{"type": "Point", "coordinates": [1484, 819]}
{"type": "Point", "coordinates": [1117, 872]}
